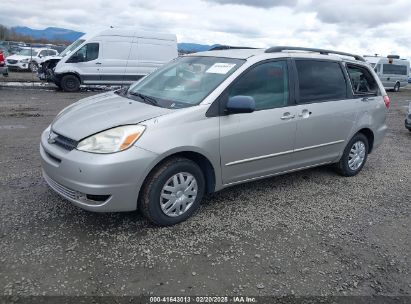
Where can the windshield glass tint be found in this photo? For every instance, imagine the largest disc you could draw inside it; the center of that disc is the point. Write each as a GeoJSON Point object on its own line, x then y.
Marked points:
{"type": "Point", "coordinates": [72, 47]}
{"type": "Point", "coordinates": [186, 81]}
{"type": "Point", "coordinates": [28, 52]}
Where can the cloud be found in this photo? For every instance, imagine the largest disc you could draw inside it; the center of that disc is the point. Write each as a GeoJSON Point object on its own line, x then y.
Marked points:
{"type": "Point", "coordinates": [359, 26]}
{"type": "Point", "coordinates": [365, 13]}
{"type": "Point", "coordinates": [258, 3]}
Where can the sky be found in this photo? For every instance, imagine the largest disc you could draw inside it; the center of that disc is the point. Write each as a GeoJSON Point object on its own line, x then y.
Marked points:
{"type": "Point", "coordinates": [356, 26]}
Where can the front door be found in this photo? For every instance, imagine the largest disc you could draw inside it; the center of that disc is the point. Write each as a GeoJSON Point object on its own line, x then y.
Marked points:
{"type": "Point", "coordinates": [88, 62]}
{"type": "Point", "coordinates": [259, 144]}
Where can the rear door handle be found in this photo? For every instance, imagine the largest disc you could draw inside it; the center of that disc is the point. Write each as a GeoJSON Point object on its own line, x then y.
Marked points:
{"type": "Point", "coordinates": [98, 62]}
{"type": "Point", "coordinates": [287, 116]}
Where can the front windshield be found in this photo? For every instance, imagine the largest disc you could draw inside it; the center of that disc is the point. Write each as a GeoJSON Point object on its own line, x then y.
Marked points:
{"type": "Point", "coordinates": [72, 47]}
{"type": "Point", "coordinates": [28, 52]}
{"type": "Point", "coordinates": [186, 81]}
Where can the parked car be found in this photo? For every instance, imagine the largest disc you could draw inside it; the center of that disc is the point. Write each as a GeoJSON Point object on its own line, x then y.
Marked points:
{"type": "Point", "coordinates": [111, 56]}
{"type": "Point", "coordinates": [3, 68]}
{"type": "Point", "coordinates": [392, 71]}
{"type": "Point", "coordinates": [28, 58]}
{"type": "Point", "coordinates": [211, 120]}
{"type": "Point", "coordinates": [408, 118]}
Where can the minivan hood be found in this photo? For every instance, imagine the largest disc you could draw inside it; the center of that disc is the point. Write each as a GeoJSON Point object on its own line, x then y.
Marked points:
{"type": "Point", "coordinates": [101, 112]}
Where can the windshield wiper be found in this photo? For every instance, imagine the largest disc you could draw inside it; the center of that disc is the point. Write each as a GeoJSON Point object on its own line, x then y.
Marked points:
{"type": "Point", "coordinates": [147, 99]}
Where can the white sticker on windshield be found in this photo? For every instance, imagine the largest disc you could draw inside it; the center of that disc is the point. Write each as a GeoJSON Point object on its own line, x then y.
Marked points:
{"type": "Point", "coordinates": [220, 68]}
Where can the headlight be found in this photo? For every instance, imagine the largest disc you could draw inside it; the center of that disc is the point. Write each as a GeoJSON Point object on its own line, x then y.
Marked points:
{"type": "Point", "coordinates": [25, 60]}
{"type": "Point", "coordinates": [112, 140]}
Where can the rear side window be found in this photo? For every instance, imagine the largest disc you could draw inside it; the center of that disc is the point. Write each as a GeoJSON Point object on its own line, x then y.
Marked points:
{"type": "Point", "coordinates": [362, 81]}
{"type": "Point", "coordinates": [267, 83]}
{"type": "Point", "coordinates": [320, 81]}
{"type": "Point", "coordinates": [394, 69]}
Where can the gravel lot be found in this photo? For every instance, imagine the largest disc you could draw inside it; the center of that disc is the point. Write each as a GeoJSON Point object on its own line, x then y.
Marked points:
{"type": "Point", "coordinates": [307, 233]}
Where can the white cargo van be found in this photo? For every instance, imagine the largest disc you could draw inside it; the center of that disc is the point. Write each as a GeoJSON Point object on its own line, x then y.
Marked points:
{"type": "Point", "coordinates": [112, 56]}
{"type": "Point", "coordinates": [392, 71]}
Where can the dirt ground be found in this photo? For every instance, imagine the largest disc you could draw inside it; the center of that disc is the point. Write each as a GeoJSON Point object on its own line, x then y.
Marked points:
{"type": "Point", "coordinates": [308, 233]}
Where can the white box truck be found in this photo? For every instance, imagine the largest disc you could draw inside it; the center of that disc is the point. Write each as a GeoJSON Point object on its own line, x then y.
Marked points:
{"type": "Point", "coordinates": [392, 70]}
{"type": "Point", "coordinates": [109, 57]}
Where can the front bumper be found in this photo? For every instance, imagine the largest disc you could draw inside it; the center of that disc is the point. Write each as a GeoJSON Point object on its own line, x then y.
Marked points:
{"type": "Point", "coordinates": [19, 65]}
{"type": "Point", "coordinates": [96, 182]}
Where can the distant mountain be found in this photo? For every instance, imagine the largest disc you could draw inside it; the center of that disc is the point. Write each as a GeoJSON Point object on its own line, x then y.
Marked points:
{"type": "Point", "coordinates": [52, 33]}
{"type": "Point", "coordinates": [193, 47]}
{"type": "Point", "coordinates": [49, 33]}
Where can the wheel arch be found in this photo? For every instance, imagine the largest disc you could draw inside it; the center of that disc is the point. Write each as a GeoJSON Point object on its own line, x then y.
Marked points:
{"type": "Point", "coordinates": [60, 76]}
{"type": "Point", "coordinates": [200, 159]}
{"type": "Point", "coordinates": [369, 134]}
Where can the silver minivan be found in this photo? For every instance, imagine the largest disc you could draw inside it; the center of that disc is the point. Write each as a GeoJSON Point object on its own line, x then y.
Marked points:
{"type": "Point", "coordinates": [211, 120]}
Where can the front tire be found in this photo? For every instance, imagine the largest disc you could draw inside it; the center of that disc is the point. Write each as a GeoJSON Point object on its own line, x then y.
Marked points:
{"type": "Point", "coordinates": [70, 83]}
{"type": "Point", "coordinates": [172, 192]}
{"type": "Point", "coordinates": [354, 156]}
{"type": "Point", "coordinates": [33, 67]}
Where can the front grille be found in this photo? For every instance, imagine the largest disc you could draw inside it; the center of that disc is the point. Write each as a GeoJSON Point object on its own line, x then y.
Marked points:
{"type": "Point", "coordinates": [65, 142]}
{"type": "Point", "coordinates": [90, 199]}
{"type": "Point", "coordinates": [11, 61]}
{"type": "Point", "coordinates": [62, 190]}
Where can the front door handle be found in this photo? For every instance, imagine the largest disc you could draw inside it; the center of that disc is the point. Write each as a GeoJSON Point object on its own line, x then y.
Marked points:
{"type": "Point", "coordinates": [287, 116]}
{"type": "Point", "coordinates": [98, 62]}
{"type": "Point", "coordinates": [305, 113]}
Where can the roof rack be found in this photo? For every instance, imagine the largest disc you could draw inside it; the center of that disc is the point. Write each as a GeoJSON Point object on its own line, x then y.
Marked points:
{"type": "Point", "coordinates": [229, 47]}
{"type": "Point", "coordinates": [275, 49]}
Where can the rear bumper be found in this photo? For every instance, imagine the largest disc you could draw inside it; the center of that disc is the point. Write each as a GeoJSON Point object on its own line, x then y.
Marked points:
{"type": "Point", "coordinates": [96, 182]}
{"type": "Point", "coordinates": [379, 135]}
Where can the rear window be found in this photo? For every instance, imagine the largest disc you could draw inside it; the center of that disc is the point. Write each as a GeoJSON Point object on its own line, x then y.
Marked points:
{"type": "Point", "coordinates": [362, 81]}
{"type": "Point", "coordinates": [320, 81]}
{"type": "Point", "coordinates": [394, 69]}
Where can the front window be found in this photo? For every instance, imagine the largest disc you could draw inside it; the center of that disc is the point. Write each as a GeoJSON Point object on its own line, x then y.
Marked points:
{"type": "Point", "coordinates": [267, 83]}
{"type": "Point", "coordinates": [72, 47]}
{"type": "Point", "coordinates": [186, 81]}
{"type": "Point", "coordinates": [28, 52]}
{"type": "Point", "coordinates": [87, 52]}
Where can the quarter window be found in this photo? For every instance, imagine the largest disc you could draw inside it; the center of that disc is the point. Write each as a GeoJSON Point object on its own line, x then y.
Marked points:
{"type": "Point", "coordinates": [362, 80]}
{"type": "Point", "coordinates": [267, 83]}
{"type": "Point", "coordinates": [320, 81]}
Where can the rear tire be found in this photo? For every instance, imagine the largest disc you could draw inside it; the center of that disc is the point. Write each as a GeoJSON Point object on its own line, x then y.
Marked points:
{"type": "Point", "coordinates": [354, 156]}
{"type": "Point", "coordinates": [167, 201]}
{"type": "Point", "coordinates": [70, 83]}
{"type": "Point", "coordinates": [397, 87]}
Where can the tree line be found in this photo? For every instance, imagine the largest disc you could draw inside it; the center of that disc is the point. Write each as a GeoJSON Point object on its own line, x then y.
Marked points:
{"type": "Point", "coordinates": [10, 34]}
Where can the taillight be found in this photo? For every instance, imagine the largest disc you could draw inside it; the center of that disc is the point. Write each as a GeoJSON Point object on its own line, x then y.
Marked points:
{"type": "Point", "coordinates": [387, 101]}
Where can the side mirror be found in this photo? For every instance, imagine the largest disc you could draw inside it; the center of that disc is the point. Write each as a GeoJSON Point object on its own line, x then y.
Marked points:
{"type": "Point", "coordinates": [240, 104]}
